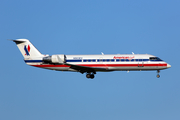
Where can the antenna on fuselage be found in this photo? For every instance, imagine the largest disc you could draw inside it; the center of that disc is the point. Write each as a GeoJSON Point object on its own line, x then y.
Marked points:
{"type": "Point", "coordinates": [132, 53]}
{"type": "Point", "coordinates": [102, 53]}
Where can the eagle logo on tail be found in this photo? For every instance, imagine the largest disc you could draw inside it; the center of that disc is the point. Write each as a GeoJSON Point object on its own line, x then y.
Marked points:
{"type": "Point", "coordinates": [27, 50]}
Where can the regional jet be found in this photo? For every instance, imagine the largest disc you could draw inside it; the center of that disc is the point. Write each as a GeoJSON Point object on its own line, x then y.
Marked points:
{"type": "Point", "coordinates": [90, 64]}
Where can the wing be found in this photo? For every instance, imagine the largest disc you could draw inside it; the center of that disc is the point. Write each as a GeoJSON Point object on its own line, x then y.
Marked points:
{"type": "Point", "coordinates": [83, 69]}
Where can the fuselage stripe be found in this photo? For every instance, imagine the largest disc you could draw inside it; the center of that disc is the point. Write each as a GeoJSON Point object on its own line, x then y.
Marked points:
{"type": "Point", "coordinates": [107, 65]}
{"type": "Point", "coordinates": [100, 60]}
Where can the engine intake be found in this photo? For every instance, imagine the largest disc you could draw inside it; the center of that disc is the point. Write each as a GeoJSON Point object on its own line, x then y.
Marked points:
{"type": "Point", "coordinates": [56, 59]}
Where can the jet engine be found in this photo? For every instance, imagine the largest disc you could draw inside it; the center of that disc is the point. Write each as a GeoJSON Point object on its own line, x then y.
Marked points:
{"type": "Point", "coordinates": [56, 59]}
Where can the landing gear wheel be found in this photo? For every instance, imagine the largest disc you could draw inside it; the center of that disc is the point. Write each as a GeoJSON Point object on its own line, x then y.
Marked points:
{"type": "Point", "coordinates": [158, 76]}
{"type": "Point", "coordinates": [88, 75]}
{"type": "Point", "coordinates": [92, 76]}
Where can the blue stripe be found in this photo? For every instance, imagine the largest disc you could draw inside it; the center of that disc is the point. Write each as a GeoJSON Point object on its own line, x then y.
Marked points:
{"type": "Point", "coordinates": [100, 60]}
{"type": "Point", "coordinates": [109, 60]}
{"type": "Point", "coordinates": [89, 60]}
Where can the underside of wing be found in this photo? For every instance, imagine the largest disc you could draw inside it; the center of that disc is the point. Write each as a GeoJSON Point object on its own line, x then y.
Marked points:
{"type": "Point", "coordinates": [83, 69]}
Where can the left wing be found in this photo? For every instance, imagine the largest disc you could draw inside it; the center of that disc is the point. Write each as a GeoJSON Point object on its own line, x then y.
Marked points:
{"type": "Point", "coordinates": [83, 69]}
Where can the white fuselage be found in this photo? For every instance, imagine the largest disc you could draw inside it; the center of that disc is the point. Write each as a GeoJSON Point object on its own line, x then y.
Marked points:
{"type": "Point", "coordinates": [89, 64]}
{"type": "Point", "coordinates": [113, 62]}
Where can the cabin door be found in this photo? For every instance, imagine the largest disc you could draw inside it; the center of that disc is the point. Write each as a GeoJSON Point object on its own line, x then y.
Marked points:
{"type": "Point", "coordinates": [140, 63]}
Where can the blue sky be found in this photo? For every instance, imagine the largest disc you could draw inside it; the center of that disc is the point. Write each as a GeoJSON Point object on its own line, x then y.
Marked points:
{"type": "Point", "coordinates": [89, 27]}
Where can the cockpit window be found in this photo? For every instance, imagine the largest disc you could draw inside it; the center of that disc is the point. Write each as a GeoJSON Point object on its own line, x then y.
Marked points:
{"type": "Point", "coordinates": [154, 59]}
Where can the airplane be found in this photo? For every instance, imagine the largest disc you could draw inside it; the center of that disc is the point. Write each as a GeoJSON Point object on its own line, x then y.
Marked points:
{"type": "Point", "coordinates": [90, 64]}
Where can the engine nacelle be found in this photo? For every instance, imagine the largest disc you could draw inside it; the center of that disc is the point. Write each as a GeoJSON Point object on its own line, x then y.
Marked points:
{"type": "Point", "coordinates": [56, 59]}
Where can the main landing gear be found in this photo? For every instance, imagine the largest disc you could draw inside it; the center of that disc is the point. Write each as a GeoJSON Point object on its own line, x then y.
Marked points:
{"type": "Point", "coordinates": [90, 75]}
{"type": "Point", "coordinates": [158, 76]}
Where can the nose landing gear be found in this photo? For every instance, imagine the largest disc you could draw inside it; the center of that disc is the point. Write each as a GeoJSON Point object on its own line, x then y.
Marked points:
{"type": "Point", "coordinates": [158, 76]}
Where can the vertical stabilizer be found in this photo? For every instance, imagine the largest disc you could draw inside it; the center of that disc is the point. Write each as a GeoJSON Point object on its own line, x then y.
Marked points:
{"type": "Point", "coordinates": [27, 48]}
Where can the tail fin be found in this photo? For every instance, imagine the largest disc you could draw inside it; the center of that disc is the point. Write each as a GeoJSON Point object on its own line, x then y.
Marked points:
{"type": "Point", "coordinates": [27, 48]}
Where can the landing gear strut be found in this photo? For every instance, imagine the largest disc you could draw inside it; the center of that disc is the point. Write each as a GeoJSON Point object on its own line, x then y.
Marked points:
{"type": "Point", "coordinates": [90, 75]}
{"type": "Point", "coordinates": [158, 76]}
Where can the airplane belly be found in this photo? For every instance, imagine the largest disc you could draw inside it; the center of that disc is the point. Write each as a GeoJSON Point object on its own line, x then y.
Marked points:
{"type": "Point", "coordinates": [57, 68]}
{"type": "Point", "coordinates": [53, 67]}
{"type": "Point", "coordinates": [135, 67]}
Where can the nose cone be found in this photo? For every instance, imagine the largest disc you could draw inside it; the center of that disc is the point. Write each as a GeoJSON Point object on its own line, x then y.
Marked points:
{"type": "Point", "coordinates": [168, 65]}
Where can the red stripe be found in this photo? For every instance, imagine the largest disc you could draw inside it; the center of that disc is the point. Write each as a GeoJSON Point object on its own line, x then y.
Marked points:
{"type": "Point", "coordinates": [51, 65]}
{"type": "Point", "coordinates": [106, 65]}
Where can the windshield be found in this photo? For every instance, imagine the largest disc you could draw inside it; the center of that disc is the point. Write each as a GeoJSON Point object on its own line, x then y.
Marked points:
{"type": "Point", "coordinates": [154, 59]}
